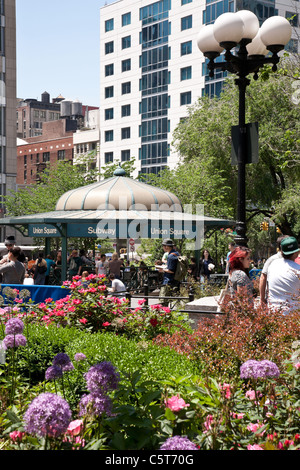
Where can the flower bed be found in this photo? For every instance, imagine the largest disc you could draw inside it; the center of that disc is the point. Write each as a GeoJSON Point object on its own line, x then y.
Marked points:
{"type": "Point", "coordinates": [230, 385]}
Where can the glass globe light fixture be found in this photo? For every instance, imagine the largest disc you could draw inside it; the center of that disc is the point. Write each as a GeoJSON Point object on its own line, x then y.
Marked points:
{"type": "Point", "coordinates": [275, 33]}
{"type": "Point", "coordinates": [228, 30]}
{"type": "Point", "coordinates": [251, 24]}
{"type": "Point", "coordinates": [256, 47]}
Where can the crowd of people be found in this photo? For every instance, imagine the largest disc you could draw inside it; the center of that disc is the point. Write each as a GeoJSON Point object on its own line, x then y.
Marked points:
{"type": "Point", "coordinates": [279, 275]}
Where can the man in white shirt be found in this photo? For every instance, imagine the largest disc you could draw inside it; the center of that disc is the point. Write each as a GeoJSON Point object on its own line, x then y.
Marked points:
{"type": "Point", "coordinates": [263, 280]}
{"type": "Point", "coordinates": [102, 265]}
{"type": "Point", "coordinates": [116, 285]}
{"type": "Point", "coordinates": [284, 278]}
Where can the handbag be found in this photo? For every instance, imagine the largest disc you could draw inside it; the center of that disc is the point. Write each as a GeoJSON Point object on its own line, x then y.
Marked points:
{"type": "Point", "coordinates": [225, 294]}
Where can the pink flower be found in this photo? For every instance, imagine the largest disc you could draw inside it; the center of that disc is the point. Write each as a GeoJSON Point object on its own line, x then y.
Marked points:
{"type": "Point", "coordinates": [16, 435]}
{"type": "Point", "coordinates": [297, 365]}
{"type": "Point", "coordinates": [153, 322]}
{"type": "Point", "coordinates": [106, 323]}
{"type": "Point", "coordinates": [254, 447]}
{"type": "Point", "coordinates": [250, 394]}
{"type": "Point", "coordinates": [208, 422]}
{"type": "Point", "coordinates": [141, 301]}
{"type": "Point", "coordinates": [226, 388]}
{"type": "Point", "coordinates": [176, 404]}
{"type": "Point", "coordinates": [83, 320]}
{"type": "Point", "coordinates": [75, 427]}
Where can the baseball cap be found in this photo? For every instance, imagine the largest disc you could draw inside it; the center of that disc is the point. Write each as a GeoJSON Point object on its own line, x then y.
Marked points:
{"type": "Point", "coordinates": [167, 242]}
{"type": "Point", "coordinates": [289, 246]}
{"type": "Point", "coordinates": [10, 240]}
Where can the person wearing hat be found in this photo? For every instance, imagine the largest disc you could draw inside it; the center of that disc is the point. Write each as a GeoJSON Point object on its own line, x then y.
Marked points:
{"type": "Point", "coordinates": [284, 278]}
{"type": "Point", "coordinates": [9, 243]}
{"type": "Point", "coordinates": [168, 270]}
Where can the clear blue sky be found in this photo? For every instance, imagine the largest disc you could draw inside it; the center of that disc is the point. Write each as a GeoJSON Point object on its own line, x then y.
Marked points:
{"type": "Point", "coordinates": [58, 49]}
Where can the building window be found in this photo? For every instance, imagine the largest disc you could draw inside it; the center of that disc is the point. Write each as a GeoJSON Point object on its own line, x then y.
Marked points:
{"type": "Point", "coordinates": [109, 114]}
{"type": "Point", "coordinates": [46, 156]}
{"type": "Point", "coordinates": [108, 157]}
{"type": "Point", "coordinates": [185, 98]}
{"type": "Point", "coordinates": [186, 22]}
{"type": "Point", "coordinates": [125, 110]}
{"type": "Point", "coordinates": [109, 25]}
{"type": "Point", "coordinates": [186, 73]}
{"type": "Point", "coordinates": [125, 155]}
{"type": "Point", "coordinates": [185, 2]}
{"type": "Point", "coordinates": [125, 133]}
{"type": "Point", "coordinates": [109, 136]}
{"type": "Point", "coordinates": [61, 154]}
{"type": "Point", "coordinates": [126, 42]}
{"type": "Point", "coordinates": [109, 47]}
{"type": "Point", "coordinates": [109, 92]}
{"type": "Point", "coordinates": [126, 19]}
{"type": "Point", "coordinates": [126, 65]}
{"type": "Point", "coordinates": [126, 88]}
{"type": "Point", "coordinates": [109, 70]}
{"type": "Point", "coordinates": [186, 48]}
{"type": "Point", "coordinates": [292, 17]}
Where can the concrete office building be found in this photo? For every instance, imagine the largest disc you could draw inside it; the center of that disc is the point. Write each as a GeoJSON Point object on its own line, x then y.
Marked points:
{"type": "Point", "coordinates": [151, 70]}
{"type": "Point", "coordinates": [8, 162]}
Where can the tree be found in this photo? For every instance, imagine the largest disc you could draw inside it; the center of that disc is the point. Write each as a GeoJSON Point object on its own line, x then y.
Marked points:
{"type": "Point", "coordinates": [205, 138]}
{"type": "Point", "coordinates": [43, 196]}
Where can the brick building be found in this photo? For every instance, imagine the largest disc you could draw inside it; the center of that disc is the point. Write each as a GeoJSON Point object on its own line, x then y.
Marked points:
{"type": "Point", "coordinates": [36, 153]}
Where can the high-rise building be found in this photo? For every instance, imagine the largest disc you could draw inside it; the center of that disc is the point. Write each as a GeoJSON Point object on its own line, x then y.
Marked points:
{"type": "Point", "coordinates": [8, 161]}
{"type": "Point", "coordinates": [152, 70]}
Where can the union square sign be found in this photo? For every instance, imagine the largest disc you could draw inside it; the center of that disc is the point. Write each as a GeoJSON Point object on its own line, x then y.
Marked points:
{"type": "Point", "coordinates": [129, 224]}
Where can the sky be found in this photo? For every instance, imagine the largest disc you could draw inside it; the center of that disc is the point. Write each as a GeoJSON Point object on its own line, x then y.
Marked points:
{"type": "Point", "coordinates": [58, 49]}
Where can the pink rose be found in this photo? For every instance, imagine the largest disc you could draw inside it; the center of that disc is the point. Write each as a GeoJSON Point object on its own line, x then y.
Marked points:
{"type": "Point", "coordinates": [176, 404]}
{"type": "Point", "coordinates": [254, 447]}
{"type": "Point", "coordinates": [16, 435]}
{"type": "Point", "coordinates": [297, 365]}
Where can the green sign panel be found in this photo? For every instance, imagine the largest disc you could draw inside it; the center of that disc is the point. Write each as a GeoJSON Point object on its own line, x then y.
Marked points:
{"type": "Point", "coordinates": [43, 230]}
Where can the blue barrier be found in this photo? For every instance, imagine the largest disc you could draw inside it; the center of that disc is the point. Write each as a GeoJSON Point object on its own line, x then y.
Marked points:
{"type": "Point", "coordinates": [39, 293]}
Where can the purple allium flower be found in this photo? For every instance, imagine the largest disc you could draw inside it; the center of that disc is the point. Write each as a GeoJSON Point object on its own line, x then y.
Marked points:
{"type": "Point", "coordinates": [61, 359]}
{"type": "Point", "coordinates": [14, 326]}
{"type": "Point", "coordinates": [178, 443]}
{"type": "Point", "coordinates": [102, 376]}
{"type": "Point", "coordinates": [95, 404]}
{"type": "Point", "coordinates": [48, 414]}
{"type": "Point", "coordinates": [53, 372]}
{"type": "Point", "coordinates": [259, 369]}
{"type": "Point", "coordinates": [14, 341]}
{"type": "Point", "coordinates": [80, 357]}
{"type": "Point", "coordinates": [68, 367]}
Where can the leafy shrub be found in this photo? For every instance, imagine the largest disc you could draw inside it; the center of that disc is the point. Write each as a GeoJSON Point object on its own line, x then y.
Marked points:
{"type": "Point", "coordinates": [242, 333]}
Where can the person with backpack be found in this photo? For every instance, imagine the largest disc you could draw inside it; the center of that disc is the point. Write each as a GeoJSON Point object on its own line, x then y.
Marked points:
{"type": "Point", "coordinates": [40, 270]}
{"type": "Point", "coordinates": [169, 282]}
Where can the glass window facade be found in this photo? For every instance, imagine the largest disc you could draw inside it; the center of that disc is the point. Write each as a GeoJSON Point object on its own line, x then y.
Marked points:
{"type": "Point", "coordinates": [154, 82]}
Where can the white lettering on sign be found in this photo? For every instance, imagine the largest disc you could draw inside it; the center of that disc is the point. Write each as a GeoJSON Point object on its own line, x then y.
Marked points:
{"type": "Point", "coordinates": [101, 231]}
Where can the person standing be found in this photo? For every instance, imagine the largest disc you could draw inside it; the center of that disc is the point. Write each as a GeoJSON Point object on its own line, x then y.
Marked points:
{"type": "Point", "coordinates": [13, 271]}
{"type": "Point", "coordinates": [40, 270]}
{"type": "Point", "coordinates": [50, 263]}
{"type": "Point", "coordinates": [204, 266]}
{"type": "Point", "coordinates": [115, 265]}
{"type": "Point", "coordinates": [102, 265]}
{"type": "Point", "coordinates": [263, 280]}
{"type": "Point", "coordinates": [284, 278]}
{"type": "Point", "coordinates": [9, 243]}
{"type": "Point", "coordinates": [75, 263]}
{"type": "Point", "coordinates": [169, 283]}
{"type": "Point", "coordinates": [239, 263]}
{"type": "Point", "coordinates": [231, 247]}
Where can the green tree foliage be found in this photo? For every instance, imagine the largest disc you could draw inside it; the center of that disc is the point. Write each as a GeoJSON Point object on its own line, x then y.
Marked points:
{"type": "Point", "coordinates": [204, 139]}
{"type": "Point", "coordinates": [43, 196]}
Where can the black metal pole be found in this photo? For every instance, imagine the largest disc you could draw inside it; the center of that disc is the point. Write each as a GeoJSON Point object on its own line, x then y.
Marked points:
{"type": "Point", "coordinates": [241, 238]}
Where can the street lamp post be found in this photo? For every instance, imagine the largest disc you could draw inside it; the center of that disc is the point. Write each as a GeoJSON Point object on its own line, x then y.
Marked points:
{"type": "Point", "coordinates": [240, 31]}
